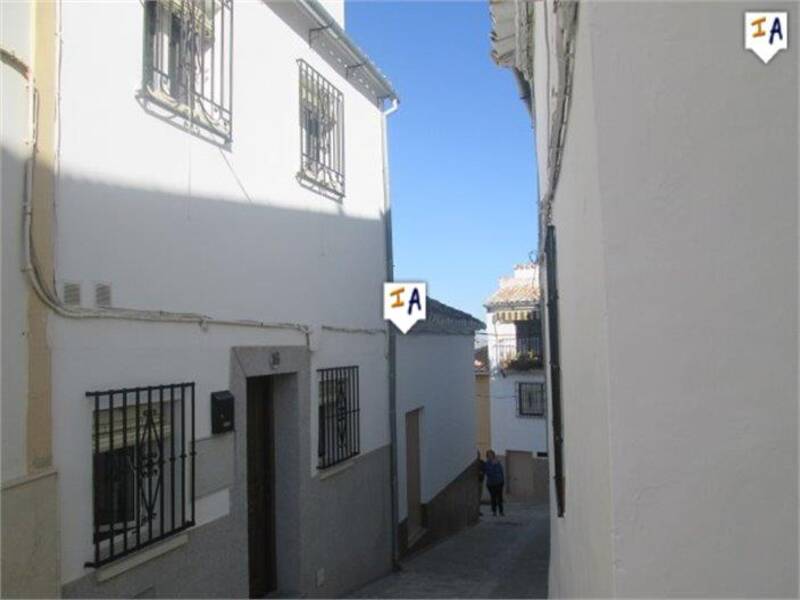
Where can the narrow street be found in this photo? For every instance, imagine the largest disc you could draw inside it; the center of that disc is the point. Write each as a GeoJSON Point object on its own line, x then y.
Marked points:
{"type": "Point", "coordinates": [500, 557]}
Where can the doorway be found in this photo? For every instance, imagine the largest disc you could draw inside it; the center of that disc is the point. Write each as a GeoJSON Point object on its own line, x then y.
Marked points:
{"type": "Point", "coordinates": [413, 478]}
{"type": "Point", "coordinates": [261, 486]}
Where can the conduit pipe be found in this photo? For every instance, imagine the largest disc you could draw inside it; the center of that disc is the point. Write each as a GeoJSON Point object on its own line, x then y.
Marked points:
{"type": "Point", "coordinates": [51, 299]}
{"type": "Point", "coordinates": [392, 355]}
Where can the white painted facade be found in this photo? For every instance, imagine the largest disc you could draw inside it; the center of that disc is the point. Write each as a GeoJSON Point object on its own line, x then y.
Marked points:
{"type": "Point", "coordinates": [676, 220]}
{"type": "Point", "coordinates": [510, 430]}
{"type": "Point", "coordinates": [435, 374]}
{"type": "Point", "coordinates": [175, 223]}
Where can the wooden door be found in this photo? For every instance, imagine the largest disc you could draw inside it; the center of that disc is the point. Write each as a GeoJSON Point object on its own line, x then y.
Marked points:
{"type": "Point", "coordinates": [413, 478]}
{"type": "Point", "coordinates": [260, 487]}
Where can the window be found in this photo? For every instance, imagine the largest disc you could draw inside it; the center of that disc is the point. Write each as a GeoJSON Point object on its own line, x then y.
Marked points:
{"type": "Point", "coordinates": [188, 61]}
{"type": "Point", "coordinates": [554, 360]}
{"type": "Point", "coordinates": [339, 436]}
{"type": "Point", "coordinates": [143, 467]}
{"type": "Point", "coordinates": [528, 335]}
{"type": "Point", "coordinates": [530, 399]}
{"type": "Point", "coordinates": [321, 132]}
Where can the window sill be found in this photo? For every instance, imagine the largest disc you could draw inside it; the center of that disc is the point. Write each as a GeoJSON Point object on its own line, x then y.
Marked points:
{"type": "Point", "coordinates": [336, 469]}
{"type": "Point", "coordinates": [141, 557]}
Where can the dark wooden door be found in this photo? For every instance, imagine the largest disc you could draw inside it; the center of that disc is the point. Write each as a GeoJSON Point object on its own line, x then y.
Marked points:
{"type": "Point", "coordinates": [261, 487]}
{"type": "Point", "coordinates": [413, 477]}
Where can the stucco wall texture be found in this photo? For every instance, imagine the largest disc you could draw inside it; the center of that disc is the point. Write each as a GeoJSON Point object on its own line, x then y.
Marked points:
{"type": "Point", "coordinates": [676, 216]}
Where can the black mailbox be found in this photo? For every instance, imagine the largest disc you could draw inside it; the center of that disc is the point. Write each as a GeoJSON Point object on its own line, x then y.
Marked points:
{"type": "Point", "coordinates": [221, 412]}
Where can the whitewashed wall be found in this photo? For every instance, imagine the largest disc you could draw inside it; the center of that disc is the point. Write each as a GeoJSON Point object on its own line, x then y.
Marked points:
{"type": "Point", "coordinates": [435, 373]}
{"type": "Point", "coordinates": [676, 216]}
{"type": "Point", "coordinates": [175, 223]}
{"type": "Point", "coordinates": [509, 430]}
{"type": "Point", "coordinates": [15, 37]}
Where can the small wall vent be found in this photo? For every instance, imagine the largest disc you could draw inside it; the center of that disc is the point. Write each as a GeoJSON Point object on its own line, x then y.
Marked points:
{"type": "Point", "coordinates": [102, 295]}
{"type": "Point", "coordinates": [71, 293]}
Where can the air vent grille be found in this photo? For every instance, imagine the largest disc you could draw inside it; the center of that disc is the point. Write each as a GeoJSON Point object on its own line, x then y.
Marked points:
{"type": "Point", "coordinates": [102, 295]}
{"type": "Point", "coordinates": [72, 293]}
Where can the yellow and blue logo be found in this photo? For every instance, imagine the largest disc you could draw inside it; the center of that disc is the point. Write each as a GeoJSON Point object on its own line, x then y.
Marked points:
{"type": "Point", "coordinates": [405, 303]}
{"type": "Point", "coordinates": [766, 33]}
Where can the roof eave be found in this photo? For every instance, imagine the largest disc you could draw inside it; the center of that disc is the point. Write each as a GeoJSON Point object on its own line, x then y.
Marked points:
{"type": "Point", "coordinates": [383, 87]}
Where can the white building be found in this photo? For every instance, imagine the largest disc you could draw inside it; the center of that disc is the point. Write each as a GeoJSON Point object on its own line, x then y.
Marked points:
{"type": "Point", "coordinates": [669, 192]}
{"type": "Point", "coordinates": [195, 229]}
{"type": "Point", "coordinates": [517, 382]}
{"type": "Point", "coordinates": [436, 426]}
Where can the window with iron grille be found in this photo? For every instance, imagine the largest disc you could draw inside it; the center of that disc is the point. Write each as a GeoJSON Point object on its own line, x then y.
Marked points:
{"type": "Point", "coordinates": [554, 359]}
{"type": "Point", "coordinates": [188, 61]}
{"type": "Point", "coordinates": [321, 131]}
{"type": "Point", "coordinates": [339, 436]}
{"type": "Point", "coordinates": [143, 467]}
{"type": "Point", "coordinates": [530, 399]}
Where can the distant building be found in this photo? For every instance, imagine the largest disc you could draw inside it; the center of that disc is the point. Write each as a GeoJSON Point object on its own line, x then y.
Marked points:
{"type": "Point", "coordinates": [668, 228]}
{"type": "Point", "coordinates": [436, 424]}
{"type": "Point", "coordinates": [517, 382]}
{"type": "Point", "coordinates": [482, 404]}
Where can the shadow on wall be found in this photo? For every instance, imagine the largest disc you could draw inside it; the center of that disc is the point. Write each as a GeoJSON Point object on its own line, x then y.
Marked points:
{"type": "Point", "coordinates": [162, 250]}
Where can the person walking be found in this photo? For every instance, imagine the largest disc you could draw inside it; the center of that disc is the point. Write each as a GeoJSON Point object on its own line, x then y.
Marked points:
{"type": "Point", "coordinates": [495, 479]}
{"type": "Point", "coordinates": [481, 462]}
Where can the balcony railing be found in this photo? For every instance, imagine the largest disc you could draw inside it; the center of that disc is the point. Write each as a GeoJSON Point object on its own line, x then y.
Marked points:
{"type": "Point", "coordinates": [519, 354]}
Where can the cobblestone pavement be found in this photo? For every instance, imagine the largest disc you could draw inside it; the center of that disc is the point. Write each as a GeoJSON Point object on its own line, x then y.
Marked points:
{"type": "Point", "coordinates": [500, 557]}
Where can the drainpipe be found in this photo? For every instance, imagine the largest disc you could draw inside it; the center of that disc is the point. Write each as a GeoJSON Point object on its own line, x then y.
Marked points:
{"type": "Point", "coordinates": [387, 212]}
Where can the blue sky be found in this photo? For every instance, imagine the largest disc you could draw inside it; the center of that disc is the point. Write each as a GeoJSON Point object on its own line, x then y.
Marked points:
{"type": "Point", "coordinates": [462, 160]}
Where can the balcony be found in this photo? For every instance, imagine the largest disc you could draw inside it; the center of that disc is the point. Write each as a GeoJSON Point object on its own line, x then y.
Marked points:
{"type": "Point", "coordinates": [519, 355]}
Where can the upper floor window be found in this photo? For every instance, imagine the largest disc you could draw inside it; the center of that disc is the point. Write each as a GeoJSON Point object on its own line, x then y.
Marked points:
{"type": "Point", "coordinates": [142, 468]}
{"type": "Point", "coordinates": [188, 61]}
{"type": "Point", "coordinates": [321, 132]}
{"type": "Point", "coordinates": [530, 399]}
{"type": "Point", "coordinates": [339, 436]}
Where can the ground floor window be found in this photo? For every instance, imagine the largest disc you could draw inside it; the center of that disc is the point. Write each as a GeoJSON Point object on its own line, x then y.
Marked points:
{"type": "Point", "coordinates": [142, 467]}
{"type": "Point", "coordinates": [339, 436]}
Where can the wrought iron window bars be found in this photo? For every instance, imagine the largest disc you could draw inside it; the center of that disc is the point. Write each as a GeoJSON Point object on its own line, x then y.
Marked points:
{"type": "Point", "coordinates": [188, 61]}
{"type": "Point", "coordinates": [321, 131]}
{"type": "Point", "coordinates": [530, 399]}
{"type": "Point", "coordinates": [143, 467]}
{"type": "Point", "coordinates": [339, 436]}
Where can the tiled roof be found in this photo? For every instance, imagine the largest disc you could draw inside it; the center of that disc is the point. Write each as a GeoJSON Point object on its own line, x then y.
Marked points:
{"type": "Point", "coordinates": [514, 292]}
{"type": "Point", "coordinates": [442, 318]}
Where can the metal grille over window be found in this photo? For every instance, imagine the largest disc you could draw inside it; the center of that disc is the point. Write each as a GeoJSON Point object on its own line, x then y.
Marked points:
{"type": "Point", "coordinates": [188, 61]}
{"type": "Point", "coordinates": [530, 399]}
{"type": "Point", "coordinates": [339, 436]}
{"type": "Point", "coordinates": [321, 131]}
{"type": "Point", "coordinates": [554, 359]}
{"type": "Point", "coordinates": [143, 467]}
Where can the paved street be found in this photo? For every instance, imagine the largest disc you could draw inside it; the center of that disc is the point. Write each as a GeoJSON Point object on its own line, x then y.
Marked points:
{"type": "Point", "coordinates": [501, 557]}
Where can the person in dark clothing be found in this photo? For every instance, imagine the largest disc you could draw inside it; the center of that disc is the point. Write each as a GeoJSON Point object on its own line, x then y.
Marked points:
{"type": "Point", "coordinates": [495, 480]}
{"type": "Point", "coordinates": [481, 462]}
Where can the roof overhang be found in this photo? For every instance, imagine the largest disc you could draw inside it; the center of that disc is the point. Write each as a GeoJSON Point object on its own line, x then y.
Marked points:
{"type": "Point", "coordinates": [359, 69]}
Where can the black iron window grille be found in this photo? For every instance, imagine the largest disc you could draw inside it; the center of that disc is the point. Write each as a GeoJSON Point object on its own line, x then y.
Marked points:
{"type": "Point", "coordinates": [339, 436]}
{"type": "Point", "coordinates": [143, 467]}
{"type": "Point", "coordinates": [530, 399]}
{"type": "Point", "coordinates": [188, 61]}
{"type": "Point", "coordinates": [321, 131]}
{"type": "Point", "coordinates": [554, 358]}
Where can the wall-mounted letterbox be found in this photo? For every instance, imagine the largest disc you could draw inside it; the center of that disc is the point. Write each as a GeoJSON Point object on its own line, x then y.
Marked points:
{"type": "Point", "coordinates": [221, 412]}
